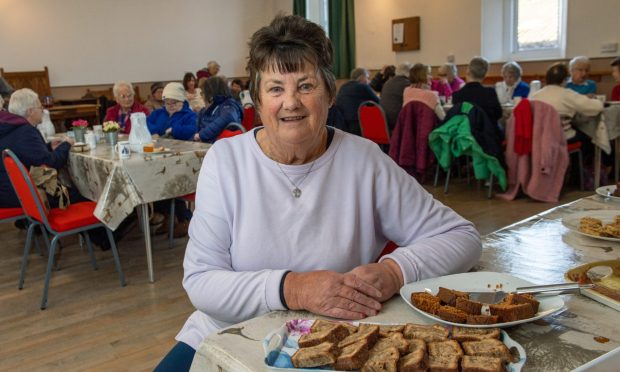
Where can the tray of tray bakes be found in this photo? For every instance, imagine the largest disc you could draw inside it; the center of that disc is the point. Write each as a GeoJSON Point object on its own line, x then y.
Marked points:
{"type": "Point", "coordinates": [598, 224]}
{"type": "Point", "coordinates": [446, 300]}
{"type": "Point", "coordinates": [605, 275]}
{"type": "Point", "coordinates": [311, 345]}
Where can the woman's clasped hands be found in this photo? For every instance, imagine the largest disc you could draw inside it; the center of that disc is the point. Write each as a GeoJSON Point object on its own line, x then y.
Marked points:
{"type": "Point", "coordinates": [356, 294]}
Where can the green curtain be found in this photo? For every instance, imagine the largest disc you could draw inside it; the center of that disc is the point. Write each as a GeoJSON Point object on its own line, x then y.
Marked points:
{"type": "Point", "coordinates": [299, 8]}
{"type": "Point", "coordinates": [342, 34]}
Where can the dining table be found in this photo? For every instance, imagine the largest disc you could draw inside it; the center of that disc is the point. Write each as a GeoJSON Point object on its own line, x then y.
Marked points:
{"type": "Point", "coordinates": [120, 185]}
{"type": "Point", "coordinates": [603, 129]}
{"type": "Point", "coordinates": [539, 249]}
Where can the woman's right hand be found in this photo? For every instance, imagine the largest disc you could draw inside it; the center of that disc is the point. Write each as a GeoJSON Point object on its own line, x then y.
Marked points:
{"type": "Point", "coordinates": [330, 293]}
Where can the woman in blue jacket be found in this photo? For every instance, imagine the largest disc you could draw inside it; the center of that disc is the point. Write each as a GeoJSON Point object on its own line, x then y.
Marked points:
{"type": "Point", "coordinates": [176, 118]}
{"type": "Point", "coordinates": [222, 109]}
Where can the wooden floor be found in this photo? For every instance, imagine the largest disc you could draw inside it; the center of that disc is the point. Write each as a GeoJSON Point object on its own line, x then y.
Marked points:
{"type": "Point", "coordinates": [93, 324]}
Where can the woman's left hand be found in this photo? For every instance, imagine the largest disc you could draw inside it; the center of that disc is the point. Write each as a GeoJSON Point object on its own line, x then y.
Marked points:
{"type": "Point", "coordinates": [385, 276]}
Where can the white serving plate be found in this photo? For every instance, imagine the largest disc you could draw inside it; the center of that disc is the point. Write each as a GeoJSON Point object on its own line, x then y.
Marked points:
{"type": "Point", "coordinates": [281, 344]}
{"type": "Point", "coordinates": [572, 222]}
{"type": "Point", "coordinates": [607, 192]}
{"type": "Point", "coordinates": [479, 282]}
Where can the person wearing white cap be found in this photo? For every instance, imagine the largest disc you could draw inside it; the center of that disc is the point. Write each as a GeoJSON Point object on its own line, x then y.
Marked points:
{"type": "Point", "coordinates": [176, 118]}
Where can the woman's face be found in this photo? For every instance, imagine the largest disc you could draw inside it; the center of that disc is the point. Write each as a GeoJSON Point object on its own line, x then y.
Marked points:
{"type": "Point", "coordinates": [125, 97]}
{"type": "Point", "coordinates": [191, 83]}
{"type": "Point", "coordinates": [172, 105]}
{"type": "Point", "coordinates": [510, 78]}
{"type": "Point", "coordinates": [579, 72]}
{"type": "Point", "coordinates": [293, 106]}
{"type": "Point", "coordinates": [158, 93]}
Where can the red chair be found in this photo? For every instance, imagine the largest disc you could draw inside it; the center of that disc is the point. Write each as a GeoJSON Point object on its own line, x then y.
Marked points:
{"type": "Point", "coordinates": [233, 129]}
{"type": "Point", "coordinates": [11, 214]}
{"type": "Point", "coordinates": [77, 218]}
{"type": "Point", "coordinates": [373, 123]}
{"type": "Point", "coordinates": [249, 114]}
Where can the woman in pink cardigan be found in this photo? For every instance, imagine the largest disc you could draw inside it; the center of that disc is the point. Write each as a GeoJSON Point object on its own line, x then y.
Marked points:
{"type": "Point", "coordinates": [419, 90]}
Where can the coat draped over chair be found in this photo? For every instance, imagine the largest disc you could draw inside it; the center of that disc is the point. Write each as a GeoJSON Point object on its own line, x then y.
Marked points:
{"type": "Point", "coordinates": [539, 173]}
{"type": "Point", "coordinates": [409, 142]}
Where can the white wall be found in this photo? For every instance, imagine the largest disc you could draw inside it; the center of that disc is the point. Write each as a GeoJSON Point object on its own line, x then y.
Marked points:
{"type": "Point", "coordinates": [86, 42]}
{"type": "Point", "coordinates": [454, 27]}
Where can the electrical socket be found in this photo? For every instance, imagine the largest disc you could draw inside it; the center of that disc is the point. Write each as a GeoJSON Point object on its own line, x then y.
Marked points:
{"type": "Point", "coordinates": [609, 47]}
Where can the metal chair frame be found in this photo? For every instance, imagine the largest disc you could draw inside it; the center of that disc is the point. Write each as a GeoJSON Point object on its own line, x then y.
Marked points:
{"type": "Point", "coordinates": [23, 173]}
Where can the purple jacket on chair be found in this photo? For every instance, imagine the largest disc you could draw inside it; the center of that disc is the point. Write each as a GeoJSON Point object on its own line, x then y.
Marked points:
{"type": "Point", "coordinates": [541, 173]}
{"type": "Point", "coordinates": [409, 142]}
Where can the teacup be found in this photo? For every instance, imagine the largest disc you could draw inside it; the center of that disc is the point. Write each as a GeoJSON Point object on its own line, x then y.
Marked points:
{"type": "Point", "coordinates": [123, 149]}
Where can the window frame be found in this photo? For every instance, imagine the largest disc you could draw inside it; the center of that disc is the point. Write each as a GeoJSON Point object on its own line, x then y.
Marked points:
{"type": "Point", "coordinates": [510, 51]}
{"type": "Point", "coordinates": [317, 11]}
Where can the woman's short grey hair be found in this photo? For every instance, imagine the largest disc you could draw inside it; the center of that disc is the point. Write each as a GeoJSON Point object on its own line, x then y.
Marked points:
{"type": "Point", "coordinates": [478, 67]}
{"type": "Point", "coordinates": [214, 86]}
{"type": "Point", "coordinates": [289, 44]}
{"type": "Point", "coordinates": [512, 68]}
{"type": "Point", "coordinates": [117, 86]}
{"type": "Point", "coordinates": [22, 100]}
{"type": "Point", "coordinates": [578, 60]}
{"type": "Point", "coordinates": [212, 63]}
{"type": "Point", "coordinates": [402, 69]}
{"type": "Point", "coordinates": [357, 73]}
{"type": "Point", "coordinates": [452, 68]}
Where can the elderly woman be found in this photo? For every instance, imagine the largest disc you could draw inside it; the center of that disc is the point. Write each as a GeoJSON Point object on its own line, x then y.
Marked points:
{"type": "Point", "coordinates": [222, 109]}
{"type": "Point", "coordinates": [211, 70]}
{"type": "Point", "coordinates": [566, 102]}
{"type": "Point", "coordinates": [419, 90]}
{"type": "Point", "coordinates": [175, 119]}
{"type": "Point", "coordinates": [18, 132]}
{"type": "Point", "coordinates": [192, 92]}
{"type": "Point", "coordinates": [386, 73]}
{"type": "Point", "coordinates": [155, 100]}
{"type": "Point", "coordinates": [579, 68]}
{"type": "Point", "coordinates": [511, 86]}
{"type": "Point", "coordinates": [338, 199]}
{"type": "Point", "coordinates": [125, 106]}
{"type": "Point", "coordinates": [448, 81]}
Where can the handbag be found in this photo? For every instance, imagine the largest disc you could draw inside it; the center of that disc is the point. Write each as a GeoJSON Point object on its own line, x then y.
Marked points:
{"type": "Point", "coordinates": [46, 181]}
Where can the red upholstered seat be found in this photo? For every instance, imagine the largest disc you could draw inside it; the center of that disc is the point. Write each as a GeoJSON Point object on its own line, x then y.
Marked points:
{"type": "Point", "coordinates": [229, 133]}
{"type": "Point", "coordinates": [76, 215]}
{"type": "Point", "coordinates": [10, 213]}
{"type": "Point", "coordinates": [573, 146]}
{"type": "Point", "coordinates": [189, 197]}
{"type": "Point", "coordinates": [249, 114]}
{"type": "Point", "coordinates": [373, 123]}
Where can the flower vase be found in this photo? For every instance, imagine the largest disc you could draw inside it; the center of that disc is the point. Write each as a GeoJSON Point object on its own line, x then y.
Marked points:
{"type": "Point", "coordinates": [111, 138]}
{"type": "Point", "coordinates": [79, 134]}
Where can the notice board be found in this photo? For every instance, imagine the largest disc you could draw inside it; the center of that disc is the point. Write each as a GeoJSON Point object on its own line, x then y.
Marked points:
{"type": "Point", "coordinates": [406, 34]}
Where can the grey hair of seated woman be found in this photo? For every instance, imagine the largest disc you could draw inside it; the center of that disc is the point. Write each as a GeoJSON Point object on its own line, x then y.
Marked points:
{"type": "Point", "coordinates": [23, 100]}
{"type": "Point", "coordinates": [512, 68]}
{"type": "Point", "coordinates": [214, 86]}
{"type": "Point", "coordinates": [117, 86]}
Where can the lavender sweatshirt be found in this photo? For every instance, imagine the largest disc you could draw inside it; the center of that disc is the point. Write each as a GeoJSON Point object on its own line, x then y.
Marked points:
{"type": "Point", "coordinates": [248, 229]}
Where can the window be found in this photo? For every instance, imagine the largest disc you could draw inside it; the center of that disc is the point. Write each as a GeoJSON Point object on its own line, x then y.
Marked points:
{"type": "Point", "coordinates": [523, 29]}
{"type": "Point", "coordinates": [317, 12]}
{"type": "Point", "coordinates": [537, 29]}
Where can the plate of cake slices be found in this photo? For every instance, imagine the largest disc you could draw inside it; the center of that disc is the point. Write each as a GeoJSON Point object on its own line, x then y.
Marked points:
{"type": "Point", "coordinates": [446, 300]}
{"type": "Point", "coordinates": [598, 224]}
{"type": "Point", "coordinates": [325, 345]}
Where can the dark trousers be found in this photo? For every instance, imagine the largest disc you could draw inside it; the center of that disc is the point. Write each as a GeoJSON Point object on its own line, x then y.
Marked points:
{"type": "Point", "coordinates": [179, 359]}
{"type": "Point", "coordinates": [181, 211]}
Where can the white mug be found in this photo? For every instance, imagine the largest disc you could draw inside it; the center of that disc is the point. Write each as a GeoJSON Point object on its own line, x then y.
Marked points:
{"type": "Point", "coordinates": [123, 149]}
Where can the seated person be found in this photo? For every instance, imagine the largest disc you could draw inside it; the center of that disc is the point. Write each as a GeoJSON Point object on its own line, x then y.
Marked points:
{"type": "Point", "coordinates": [211, 70]}
{"type": "Point", "coordinates": [579, 68]}
{"type": "Point", "coordinates": [420, 89]}
{"type": "Point", "coordinates": [18, 132]}
{"type": "Point", "coordinates": [386, 73]}
{"type": "Point", "coordinates": [125, 106]}
{"type": "Point", "coordinates": [192, 92]}
{"type": "Point", "coordinates": [236, 87]}
{"type": "Point", "coordinates": [392, 93]}
{"type": "Point", "coordinates": [222, 109]}
{"type": "Point", "coordinates": [448, 81]}
{"type": "Point", "coordinates": [474, 92]}
{"type": "Point", "coordinates": [328, 204]}
{"type": "Point", "coordinates": [155, 101]}
{"type": "Point", "coordinates": [351, 95]}
{"type": "Point", "coordinates": [5, 92]}
{"type": "Point", "coordinates": [175, 119]}
{"type": "Point", "coordinates": [566, 102]}
{"type": "Point", "coordinates": [615, 72]}
{"type": "Point", "coordinates": [511, 86]}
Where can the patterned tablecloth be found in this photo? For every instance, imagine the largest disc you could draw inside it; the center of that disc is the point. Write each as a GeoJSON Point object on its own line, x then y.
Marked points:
{"type": "Point", "coordinates": [601, 128]}
{"type": "Point", "coordinates": [539, 249]}
{"type": "Point", "coordinates": [119, 185]}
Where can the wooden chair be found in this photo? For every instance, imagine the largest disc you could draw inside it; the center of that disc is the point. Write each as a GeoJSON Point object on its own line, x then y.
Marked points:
{"type": "Point", "coordinates": [39, 81]}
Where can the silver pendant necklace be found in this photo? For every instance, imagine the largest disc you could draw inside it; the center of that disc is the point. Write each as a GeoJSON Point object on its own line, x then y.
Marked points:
{"type": "Point", "coordinates": [296, 190]}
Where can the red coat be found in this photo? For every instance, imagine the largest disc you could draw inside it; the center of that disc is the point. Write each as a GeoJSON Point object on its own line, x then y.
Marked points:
{"type": "Point", "coordinates": [114, 113]}
{"type": "Point", "coordinates": [409, 142]}
{"type": "Point", "coordinates": [540, 173]}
